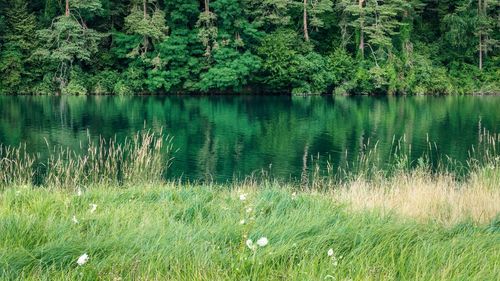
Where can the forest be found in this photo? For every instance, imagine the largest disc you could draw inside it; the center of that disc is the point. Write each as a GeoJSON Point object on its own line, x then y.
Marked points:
{"type": "Point", "coordinates": [125, 47]}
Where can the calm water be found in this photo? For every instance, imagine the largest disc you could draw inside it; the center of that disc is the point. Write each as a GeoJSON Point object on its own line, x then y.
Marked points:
{"type": "Point", "coordinates": [225, 137]}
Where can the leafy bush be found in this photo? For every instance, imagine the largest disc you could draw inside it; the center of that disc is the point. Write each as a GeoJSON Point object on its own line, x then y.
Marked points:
{"type": "Point", "coordinates": [279, 52]}
{"type": "Point", "coordinates": [104, 82]}
{"type": "Point", "coordinates": [231, 71]}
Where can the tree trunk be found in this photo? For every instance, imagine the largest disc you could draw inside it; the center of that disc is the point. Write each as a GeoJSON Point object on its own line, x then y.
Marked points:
{"type": "Point", "coordinates": [306, 32]}
{"type": "Point", "coordinates": [361, 35]}
{"type": "Point", "coordinates": [145, 38]}
{"type": "Point", "coordinates": [485, 13]}
{"type": "Point", "coordinates": [67, 8]}
{"type": "Point", "coordinates": [480, 53]}
{"type": "Point", "coordinates": [479, 13]}
{"type": "Point", "coordinates": [207, 6]}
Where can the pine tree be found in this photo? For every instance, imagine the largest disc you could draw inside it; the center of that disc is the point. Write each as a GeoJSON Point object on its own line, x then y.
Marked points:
{"type": "Point", "coordinates": [487, 21]}
{"type": "Point", "coordinates": [20, 25]}
{"type": "Point", "coordinates": [269, 14]}
{"type": "Point", "coordinates": [377, 22]}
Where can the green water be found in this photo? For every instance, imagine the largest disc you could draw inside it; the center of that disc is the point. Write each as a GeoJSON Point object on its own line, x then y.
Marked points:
{"type": "Point", "coordinates": [224, 137]}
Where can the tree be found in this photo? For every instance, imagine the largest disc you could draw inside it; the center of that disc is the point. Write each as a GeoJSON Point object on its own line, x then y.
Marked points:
{"type": "Point", "coordinates": [378, 20]}
{"type": "Point", "coordinates": [20, 25]}
{"type": "Point", "coordinates": [469, 29]}
{"type": "Point", "coordinates": [151, 28]}
{"type": "Point", "coordinates": [298, 46]}
{"type": "Point", "coordinates": [269, 14]}
{"type": "Point", "coordinates": [312, 10]}
{"type": "Point", "coordinates": [69, 41]}
{"type": "Point", "coordinates": [487, 20]}
{"type": "Point", "coordinates": [355, 8]}
{"type": "Point", "coordinates": [207, 29]}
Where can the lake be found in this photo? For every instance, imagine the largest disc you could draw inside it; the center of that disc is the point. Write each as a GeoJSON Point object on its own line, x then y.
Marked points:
{"type": "Point", "coordinates": [224, 137]}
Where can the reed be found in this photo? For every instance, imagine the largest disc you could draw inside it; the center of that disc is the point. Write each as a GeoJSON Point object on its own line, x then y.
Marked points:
{"type": "Point", "coordinates": [144, 158]}
{"type": "Point", "coordinates": [16, 166]}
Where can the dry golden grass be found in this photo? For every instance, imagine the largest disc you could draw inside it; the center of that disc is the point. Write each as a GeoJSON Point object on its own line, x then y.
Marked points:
{"type": "Point", "coordinates": [424, 197]}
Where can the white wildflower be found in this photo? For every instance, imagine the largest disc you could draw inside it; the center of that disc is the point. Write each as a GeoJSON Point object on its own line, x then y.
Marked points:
{"type": "Point", "coordinates": [242, 221]}
{"type": "Point", "coordinates": [294, 195]}
{"type": "Point", "coordinates": [249, 210]}
{"type": "Point", "coordinates": [330, 252]}
{"type": "Point", "coordinates": [262, 241]}
{"type": "Point", "coordinates": [74, 219]}
{"type": "Point", "coordinates": [243, 197]}
{"type": "Point", "coordinates": [93, 207]}
{"type": "Point", "coordinates": [79, 192]}
{"type": "Point", "coordinates": [83, 259]}
{"type": "Point", "coordinates": [250, 244]}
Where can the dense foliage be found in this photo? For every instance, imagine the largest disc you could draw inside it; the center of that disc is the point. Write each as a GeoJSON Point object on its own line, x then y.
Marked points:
{"type": "Point", "coordinates": [240, 46]}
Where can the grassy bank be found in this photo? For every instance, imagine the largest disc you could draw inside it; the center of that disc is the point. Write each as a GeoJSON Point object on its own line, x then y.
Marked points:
{"type": "Point", "coordinates": [199, 232]}
{"type": "Point", "coordinates": [110, 210]}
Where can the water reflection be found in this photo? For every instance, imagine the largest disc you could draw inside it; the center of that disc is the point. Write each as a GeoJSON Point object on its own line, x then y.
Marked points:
{"type": "Point", "coordinates": [223, 137]}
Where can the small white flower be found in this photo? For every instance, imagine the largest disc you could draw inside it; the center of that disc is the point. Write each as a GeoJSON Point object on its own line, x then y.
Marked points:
{"type": "Point", "coordinates": [330, 252]}
{"type": "Point", "coordinates": [93, 207]}
{"type": "Point", "coordinates": [242, 221]}
{"type": "Point", "coordinates": [74, 219]}
{"type": "Point", "coordinates": [79, 192]}
{"type": "Point", "coordinates": [83, 259]}
{"type": "Point", "coordinates": [243, 197]}
{"type": "Point", "coordinates": [294, 195]}
{"type": "Point", "coordinates": [262, 241]}
{"type": "Point", "coordinates": [249, 210]}
{"type": "Point", "coordinates": [250, 244]}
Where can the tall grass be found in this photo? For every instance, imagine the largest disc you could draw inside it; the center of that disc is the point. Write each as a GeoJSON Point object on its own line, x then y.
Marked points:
{"type": "Point", "coordinates": [141, 159]}
{"type": "Point", "coordinates": [370, 164]}
{"type": "Point", "coordinates": [424, 189]}
{"type": "Point", "coordinates": [199, 232]}
{"type": "Point", "coordinates": [362, 221]}
{"type": "Point", "coordinates": [16, 166]}
{"type": "Point", "coordinates": [425, 197]}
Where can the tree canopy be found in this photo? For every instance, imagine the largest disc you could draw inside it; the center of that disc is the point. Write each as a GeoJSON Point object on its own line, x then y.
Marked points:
{"type": "Point", "coordinates": [249, 46]}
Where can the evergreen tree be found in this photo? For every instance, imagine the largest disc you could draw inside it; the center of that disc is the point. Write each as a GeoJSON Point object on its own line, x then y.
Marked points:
{"type": "Point", "coordinates": [312, 12]}
{"type": "Point", "coordinates": [269, 14]}
{"type": "Point", "coordinates": [20, 25]}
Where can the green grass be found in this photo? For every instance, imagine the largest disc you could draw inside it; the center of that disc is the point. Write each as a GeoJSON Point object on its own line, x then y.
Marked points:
{"type": "Point", "coordinates": [176, 231]}
{"type": "Point", "coordinates": [404, 223]}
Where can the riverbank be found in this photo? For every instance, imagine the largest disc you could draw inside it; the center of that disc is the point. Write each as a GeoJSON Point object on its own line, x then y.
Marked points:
{"type": "Point", "coordinates": [109, 214]}
{"type": "Point", "coordinates": [173, 231]}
